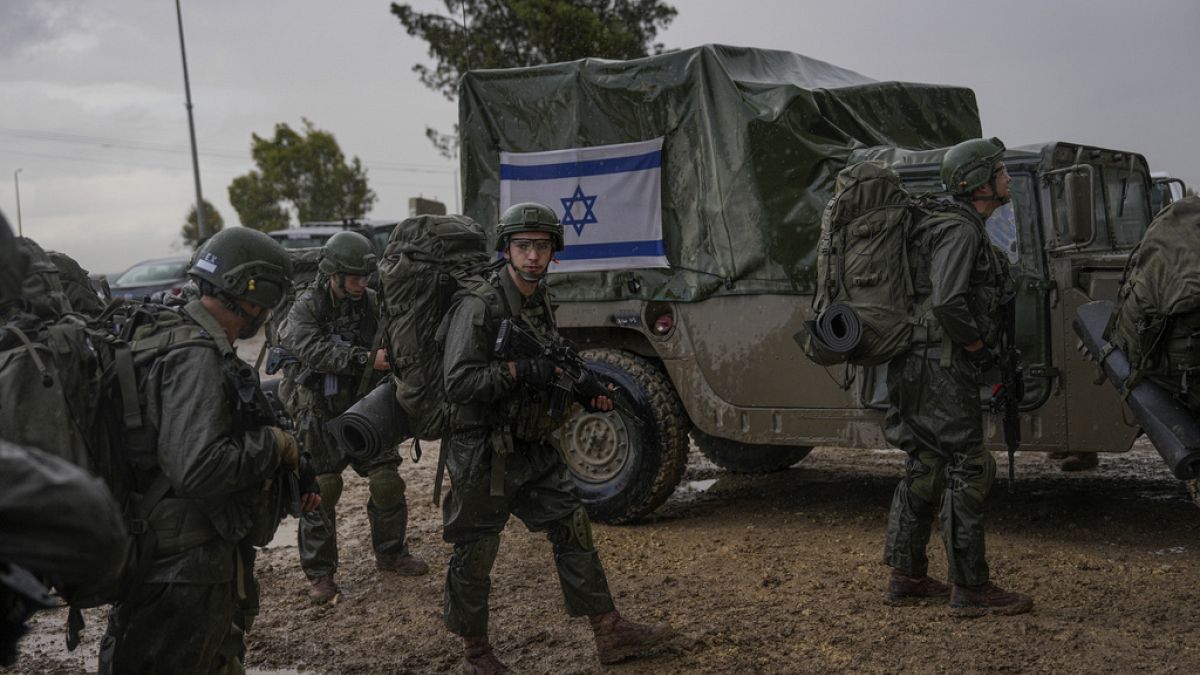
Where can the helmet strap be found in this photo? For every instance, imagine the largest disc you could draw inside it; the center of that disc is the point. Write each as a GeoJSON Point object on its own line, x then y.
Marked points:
{"type": "Point", "coordinates": [531, 278]}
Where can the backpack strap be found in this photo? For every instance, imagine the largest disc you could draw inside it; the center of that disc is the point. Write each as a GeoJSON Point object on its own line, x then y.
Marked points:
{"type": "Point", "coordinates": [47, 378]}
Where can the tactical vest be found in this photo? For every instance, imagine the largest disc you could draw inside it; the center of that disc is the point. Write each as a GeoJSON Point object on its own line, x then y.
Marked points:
{"type": "Point", "coordinates": [988, 282]}
{"type": "Point", "coordinates": [524, 413]}
{"type": "Point", "coordinates": [178, 523]}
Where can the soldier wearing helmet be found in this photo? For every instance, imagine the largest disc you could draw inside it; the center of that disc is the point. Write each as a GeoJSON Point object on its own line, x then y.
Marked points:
{"type": "Point", "coordinates": [934, 412]}
{"type": "Point", "coordinates": [205, 458]}
{"type": "Point", "coordinates": [499, 456]}
{"type": "Point", "coordinates": [331, 331]}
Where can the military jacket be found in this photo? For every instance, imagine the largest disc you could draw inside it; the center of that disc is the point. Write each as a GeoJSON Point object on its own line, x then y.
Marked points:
{"type": "Point", "coordinates": [331, 336]}
{"type": "Point", "coordinates": [959, 277]}
{"type": "Point", "coordinates": [478, 383]}
{"type": "Point", "coordinates": [201, 430]}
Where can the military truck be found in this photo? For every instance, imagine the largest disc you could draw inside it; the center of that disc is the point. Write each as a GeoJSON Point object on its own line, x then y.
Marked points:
{"type": "Point", "coordinates": [751, 143]}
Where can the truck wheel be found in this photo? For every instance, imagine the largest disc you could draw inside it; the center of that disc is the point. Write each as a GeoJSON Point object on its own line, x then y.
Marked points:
{"type": "Point", "coordinates": [624, 470]}
{"type": "Point", "coordinates": [747, 458]}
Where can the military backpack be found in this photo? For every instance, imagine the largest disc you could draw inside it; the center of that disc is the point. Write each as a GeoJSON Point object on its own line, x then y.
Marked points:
{"type": "Point", "coordinates": [1157, 320]}
{"type": "Point", "coordinates": [864, 297]}
{"type": "Point", "coordinates": [427, 260]}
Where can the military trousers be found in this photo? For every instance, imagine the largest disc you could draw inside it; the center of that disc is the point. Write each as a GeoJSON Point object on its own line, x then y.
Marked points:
{"type": "Point", "coordinates": [935, 416]}
{"type": "Point", "coordinates": [387, 507]}
{"type": "Point", "coordinates": [538, 489]}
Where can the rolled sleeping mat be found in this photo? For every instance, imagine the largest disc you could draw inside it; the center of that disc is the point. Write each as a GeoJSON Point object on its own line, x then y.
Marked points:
{"type": "Point", "coordinates": [1170, 426]}
{"type": "Point", "coordinates": [374, 425]}
{"type": "Point", "coordinates": [837, 330]}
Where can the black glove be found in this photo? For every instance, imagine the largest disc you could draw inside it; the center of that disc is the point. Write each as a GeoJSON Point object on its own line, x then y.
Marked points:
{"type": "Point", "coordinates": [537, 373]}
{"type": "Point", "coordinates": [982, 359]}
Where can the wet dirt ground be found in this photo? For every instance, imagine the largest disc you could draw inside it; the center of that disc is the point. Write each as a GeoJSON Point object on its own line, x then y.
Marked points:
{"type": "Point", "coordinates": [769, 573]}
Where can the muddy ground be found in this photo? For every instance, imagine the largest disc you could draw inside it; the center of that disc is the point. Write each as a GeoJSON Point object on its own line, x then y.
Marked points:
{"type": "Point", "coordinates": [774, 573]}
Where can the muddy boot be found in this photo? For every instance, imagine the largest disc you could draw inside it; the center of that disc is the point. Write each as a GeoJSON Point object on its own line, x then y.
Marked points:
{"type": "Point", "coordinates": [404, 565]}
{"type": "Point", "coordinates": [618, 638]}
{"type": "Point", "coordinates": [905, 590]}
{"type": "Point", "coordinates": [1080, 461]}
{"type": "Point", "coordinates": [479, 659]}
{"type": "Point", "coordinates": [987, 599]}
{"type": "Point", "coordinates": [324, 589]}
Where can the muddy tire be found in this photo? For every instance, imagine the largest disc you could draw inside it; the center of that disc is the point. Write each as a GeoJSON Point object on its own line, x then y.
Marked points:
{"type": "Point", "coordinates": [747, 458]}
{"type": "Point", "coordinates": [624, 471]}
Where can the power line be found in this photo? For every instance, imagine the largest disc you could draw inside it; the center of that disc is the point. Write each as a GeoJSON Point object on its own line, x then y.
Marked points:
{"type": "Point", "coordinates": [100, 141]}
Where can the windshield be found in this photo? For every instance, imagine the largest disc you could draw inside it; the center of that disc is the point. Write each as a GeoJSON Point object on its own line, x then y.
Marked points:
{"type": "Point", "coordinates": [301, 243]}
{"type": "Point", "coordinates": [153, 272]}
{"type": "Point", "coordinates": [1121, 203]}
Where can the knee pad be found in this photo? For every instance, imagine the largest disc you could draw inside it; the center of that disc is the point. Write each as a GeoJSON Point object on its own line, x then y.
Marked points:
{"type": "Point", "coordinates": [476, 558]}
{"type": "Point", "coordinates": [574, 531]}
{"type": "Point", "coordinates": [387, 487]}
{"type": "Point", "coordinates": [331, 489]}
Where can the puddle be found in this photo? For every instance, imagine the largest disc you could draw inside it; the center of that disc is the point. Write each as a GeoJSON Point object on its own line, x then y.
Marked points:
{"type": "Point", "coordinates": [1174, 550]}
{"type": "Point", "coordinates": [698, 485]}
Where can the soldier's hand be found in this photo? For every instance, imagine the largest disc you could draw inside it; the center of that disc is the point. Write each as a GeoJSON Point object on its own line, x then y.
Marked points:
{"type": "Point", "coordinates": [310, 502]}
{"type": "Point", "coordinates": [537, 372]}
{"type": "Point", "coordinates": [981, 359]}
{"type": "Point", "coordinates": [601, 403]}
{"type": "Point", "coordinates": [381, 360]}
{"type": "Point", "coordinates": [289, 449]}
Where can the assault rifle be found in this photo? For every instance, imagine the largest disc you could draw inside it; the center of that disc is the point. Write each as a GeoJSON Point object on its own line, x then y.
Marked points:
{"type": "Point", "coordinates": [268, 407]}
{"type": "Point", "coordinates": [576, 380]}
{"type": "Point", "coordinates": [1007, 395]}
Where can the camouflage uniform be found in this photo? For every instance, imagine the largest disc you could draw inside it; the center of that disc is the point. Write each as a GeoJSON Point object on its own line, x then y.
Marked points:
{"type": "Point", "coordinates": [500, 462]}
{"type": "Point", "coordinates": [935, 412]}
{"type": "Point", "coordinates": [332, 340]}
{"type": "Point", "coordinates": [218, 458]}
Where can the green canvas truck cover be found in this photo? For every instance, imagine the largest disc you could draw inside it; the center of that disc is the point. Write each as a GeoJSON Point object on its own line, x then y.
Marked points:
{"type": "Point", "coordinates": [753, 140]}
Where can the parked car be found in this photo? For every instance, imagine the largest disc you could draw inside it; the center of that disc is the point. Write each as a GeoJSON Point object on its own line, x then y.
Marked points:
{"type": "Point", "coordinates": [150, 276]}
{"type": "Point", "coordinates": [314, 234]}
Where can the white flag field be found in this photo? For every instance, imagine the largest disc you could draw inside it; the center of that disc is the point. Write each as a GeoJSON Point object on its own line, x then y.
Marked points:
{"type": "Point", "coordinates": [608, 197]}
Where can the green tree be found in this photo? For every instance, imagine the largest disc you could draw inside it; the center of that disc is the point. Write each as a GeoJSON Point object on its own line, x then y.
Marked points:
{"type": "Point", "coordinates": [213, 223]}
{"type": "Point", "coordinates": [302, 173]}
{"type": "Point", "coordinates": [515, 33]}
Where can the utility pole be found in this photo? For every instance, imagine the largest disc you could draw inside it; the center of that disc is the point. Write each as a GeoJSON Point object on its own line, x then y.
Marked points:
{"type": "Point", "coordinates": [17, 186]}
{"type": "Point", "coordinates": [201, 233]}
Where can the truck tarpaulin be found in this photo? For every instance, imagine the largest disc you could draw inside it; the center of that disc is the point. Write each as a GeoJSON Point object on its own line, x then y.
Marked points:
{"type": "Point", "coordinates": [752, 140]}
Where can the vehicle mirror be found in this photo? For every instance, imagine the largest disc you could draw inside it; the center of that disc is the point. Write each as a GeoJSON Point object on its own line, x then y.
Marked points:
{"type": "Point", "coordinates": [1081, 207]}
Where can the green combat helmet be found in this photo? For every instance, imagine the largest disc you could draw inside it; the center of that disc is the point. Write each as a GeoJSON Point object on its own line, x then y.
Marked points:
{"type": "Point", "coordinates": [970, 164]}
{"type": "Point", "coordinates": [347, 253]}
{"type": "Point", "coordinates": [529, 217]}
{"type": "Point", "coordinates": [243, 264]}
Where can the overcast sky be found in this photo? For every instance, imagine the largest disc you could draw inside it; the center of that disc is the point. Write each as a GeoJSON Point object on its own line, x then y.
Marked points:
{"type": "Point", "coordinates": [93, 105]}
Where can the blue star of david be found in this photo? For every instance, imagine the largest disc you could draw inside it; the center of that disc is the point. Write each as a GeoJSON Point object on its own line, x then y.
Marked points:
{"type": "Point", "coordinates": [569, 210]}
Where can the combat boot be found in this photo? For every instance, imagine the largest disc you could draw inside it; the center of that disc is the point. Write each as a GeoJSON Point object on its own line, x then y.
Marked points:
{"type": "Point", "coordinates": [480, 659]}
{"type": "Point", "coordinates": [903, 589]}
{"type": "Point", "coordinates": [618, 638]}
{"type": "Point", "coordinates": [324, 589]}
{"type": "Point", "coordinates": [407, 565]}
{"type": "Point", "coordinates": [987, 599]}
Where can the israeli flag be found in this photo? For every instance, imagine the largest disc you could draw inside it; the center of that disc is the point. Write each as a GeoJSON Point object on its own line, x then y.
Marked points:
{"type": "Point", "coordinates": [608, 198]}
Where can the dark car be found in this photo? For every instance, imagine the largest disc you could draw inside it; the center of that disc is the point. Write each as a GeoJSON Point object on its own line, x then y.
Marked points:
{"type": "Point", "coordinates": [150, 276]}
{"type": "Point", "coordinates": [314, 234]}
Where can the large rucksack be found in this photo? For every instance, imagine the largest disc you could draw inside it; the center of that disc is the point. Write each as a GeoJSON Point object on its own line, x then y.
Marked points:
{"type": "Point", "coordinates": [427, 259]}
{"type": "Point", "coordinates": [1157, 320]}
{"type": "Point", "coordinates": [77, 284]}
{"type": "Point", "coordinates": [864, 296]}
{"type": "Point", "coordinates": [68, 386]}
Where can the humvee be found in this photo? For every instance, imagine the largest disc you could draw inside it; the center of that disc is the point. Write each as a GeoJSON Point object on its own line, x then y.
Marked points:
{"type": "Point", "coordinates": [752, 140]}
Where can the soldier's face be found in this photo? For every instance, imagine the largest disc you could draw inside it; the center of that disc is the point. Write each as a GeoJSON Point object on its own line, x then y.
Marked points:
{"type": "Point", "coordinates": [1003, 180]}
{"type": "Point", "coordinates": [353, 285]}
{"type": "Point", "coordinates": [530, 252]}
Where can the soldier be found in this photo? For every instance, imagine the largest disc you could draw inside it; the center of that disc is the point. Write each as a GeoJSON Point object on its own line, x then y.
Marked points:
{"type": "Point", "coordinates": [330, 330]}
{"type": "Point", "coordinates": [500, 462]}
{"type": "Point", "coordinates": [202, 460]}
{"type": "Point", "coordinates": [934, 411]}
